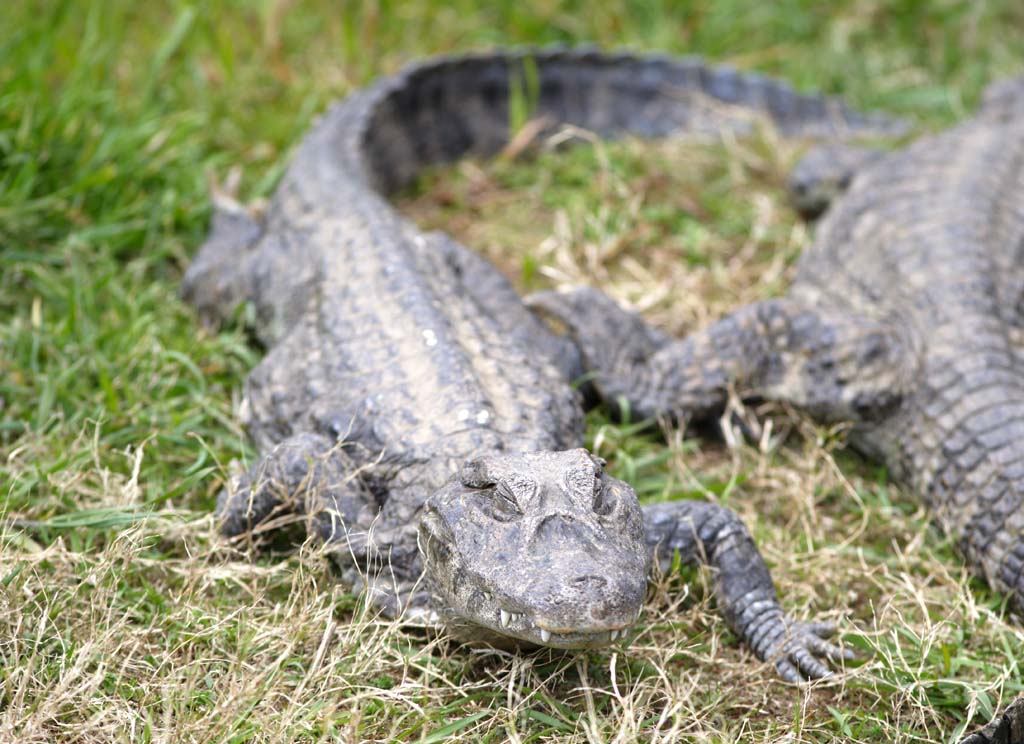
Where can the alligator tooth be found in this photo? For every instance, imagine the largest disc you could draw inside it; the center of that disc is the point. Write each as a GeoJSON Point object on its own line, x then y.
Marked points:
{"type": "Point", "coordinates": [505, 617]}
{"type": "Point", "coordinates": [545, 636]}
{"type": "Point", "coordinates": [487, 596]}
{"type": "Point", "coordinates": [615, 634]}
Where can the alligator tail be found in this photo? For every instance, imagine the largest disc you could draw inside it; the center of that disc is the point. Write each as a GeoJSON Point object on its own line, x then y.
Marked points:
{"type": "Point", "coordinates": [378, 139]}
{"type": "Point", "coordinates": [441, 109]}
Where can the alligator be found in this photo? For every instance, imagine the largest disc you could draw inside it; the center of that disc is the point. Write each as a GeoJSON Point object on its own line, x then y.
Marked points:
{"type": "Point", "coordinates": [904, 318]}
{"type": "Point", "coordinates": [414, 414]}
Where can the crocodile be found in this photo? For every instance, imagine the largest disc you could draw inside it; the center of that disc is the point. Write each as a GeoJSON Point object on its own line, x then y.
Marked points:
{"type": "Point", "coordinates": [416, 417]}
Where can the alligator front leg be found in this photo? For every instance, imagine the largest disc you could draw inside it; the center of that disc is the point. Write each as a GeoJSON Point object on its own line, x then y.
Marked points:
{"type": "Point", "coordinates": [307, 475]}
{"type": "Point", "coordinates": [699, 532]}
{"type": "Point", "coordinates": [219, 277]}
{"type": "Point", "coordinates": [835, 366]}
{"type": "Point", "coordinates": [824, 173]}
{"type": "Point", "coordinates": [311, 478]}
{"type": "Point", "coordinates": [245, 259]}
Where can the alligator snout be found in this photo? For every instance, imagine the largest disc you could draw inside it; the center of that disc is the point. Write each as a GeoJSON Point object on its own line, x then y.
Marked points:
{"type": "Point", "coordinates": [589, 602]}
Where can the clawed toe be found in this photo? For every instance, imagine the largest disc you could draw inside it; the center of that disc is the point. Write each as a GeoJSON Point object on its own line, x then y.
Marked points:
{"type": "Point", "coordinates": [808, 664]}
{"type": "Point", "coordinates": [788, 672]}
{"type": "Point", "coordinates": [802, 652]}
{"type": "Point", "coordinates": [832, 651]}
{"type": "Point", "coordinates": [554, 305]}
{"type": "Point", "coordinates": [823, 629]}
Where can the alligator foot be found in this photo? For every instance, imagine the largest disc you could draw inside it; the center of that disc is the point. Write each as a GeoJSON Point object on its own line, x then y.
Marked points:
{"type": "Point", "coordinates": [824, 172]}
{"type": "Point", "coordinates": [699, 532]}
{"type": "Point", "coordinates": [217, 280]}
{"type": "Point", "coordinates": [797, 648]}
{"type": "Point", "coordinates": [1007, 728]}
{"type": "Point", "coordinates": [836, 366]}
{"type": "Point", "coordinates": [612, 342]}
{"type": "Point", "coordinates": [305, 475]}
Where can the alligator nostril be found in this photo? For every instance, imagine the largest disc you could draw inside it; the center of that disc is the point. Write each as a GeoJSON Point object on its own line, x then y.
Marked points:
{"type": "Point", "coordinates": [590, 581]}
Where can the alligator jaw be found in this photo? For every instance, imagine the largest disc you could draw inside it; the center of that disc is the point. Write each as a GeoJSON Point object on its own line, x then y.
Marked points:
{"type": "Point", "coordinates": [523, 633]}
{"type": "Point", "coordinates": [522, 628]}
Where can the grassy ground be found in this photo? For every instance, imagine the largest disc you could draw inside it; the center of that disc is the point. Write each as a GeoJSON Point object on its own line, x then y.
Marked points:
{"type": "Point", "coordinates": [124, 618]}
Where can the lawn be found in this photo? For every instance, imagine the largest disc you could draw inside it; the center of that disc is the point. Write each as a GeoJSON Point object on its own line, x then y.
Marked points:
{"type": "Point", "coordinates": [123, 616]}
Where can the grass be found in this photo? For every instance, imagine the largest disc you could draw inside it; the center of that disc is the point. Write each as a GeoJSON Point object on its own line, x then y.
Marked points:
{"type": "Point", "coordinates": [124, 618]}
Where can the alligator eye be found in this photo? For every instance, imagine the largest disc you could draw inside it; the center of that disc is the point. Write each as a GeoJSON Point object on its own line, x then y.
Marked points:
{"type": "Point", "coordinates": [517, 492]}
{"type": "Point", "coordinates": [507, 498]}
{"type": "Point", "coordinates": [602, 504]}
{"type": "Point", "coordinates": [476, 474]}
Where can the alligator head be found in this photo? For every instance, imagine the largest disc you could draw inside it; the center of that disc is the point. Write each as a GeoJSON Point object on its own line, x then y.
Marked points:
{"type": "Point", "coordinates": [543, 548]}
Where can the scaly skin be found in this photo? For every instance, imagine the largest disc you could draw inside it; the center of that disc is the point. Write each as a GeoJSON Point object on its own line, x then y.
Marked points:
{"type": "Point", "coordinates": [905, 318]}
{"type": "Point", "coordinates": [415, 411]}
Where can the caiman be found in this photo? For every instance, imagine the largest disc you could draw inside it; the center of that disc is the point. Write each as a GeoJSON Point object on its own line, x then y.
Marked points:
{"type": "Point", "coordinates": [412, 410]}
